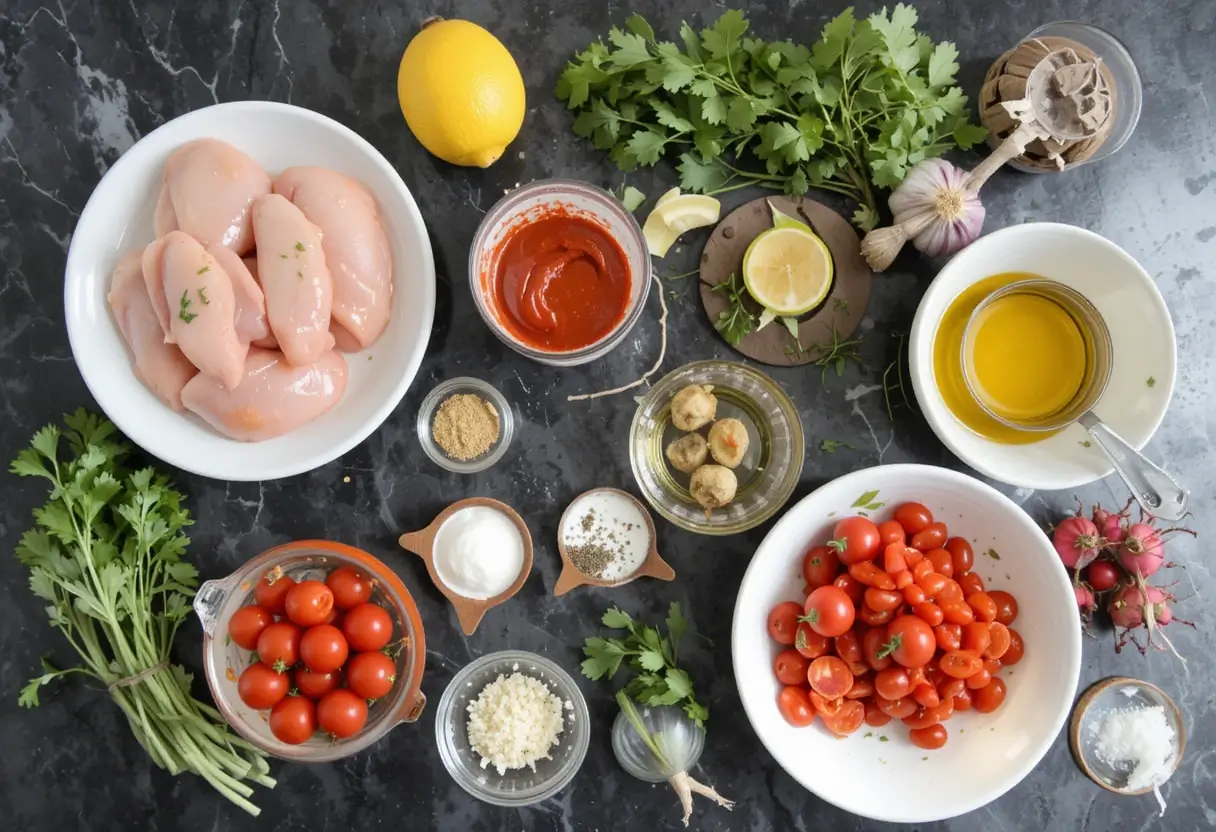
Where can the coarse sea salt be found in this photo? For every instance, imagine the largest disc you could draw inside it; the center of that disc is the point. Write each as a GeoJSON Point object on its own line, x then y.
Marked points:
{"type": "Point", "coordinates": [1137, 740]}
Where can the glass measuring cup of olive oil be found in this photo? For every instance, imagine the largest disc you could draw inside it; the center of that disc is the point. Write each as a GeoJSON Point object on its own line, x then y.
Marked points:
{"type": "Point", "coordinates": [1035, 357]}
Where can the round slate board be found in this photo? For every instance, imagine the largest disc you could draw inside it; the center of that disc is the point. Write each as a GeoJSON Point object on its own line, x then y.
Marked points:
{"type": "Point", "coordinates": [842, 309]}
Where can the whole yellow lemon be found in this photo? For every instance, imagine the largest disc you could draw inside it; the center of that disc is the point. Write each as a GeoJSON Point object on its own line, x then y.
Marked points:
{"type": "Point", "coordinates": [460, 92]}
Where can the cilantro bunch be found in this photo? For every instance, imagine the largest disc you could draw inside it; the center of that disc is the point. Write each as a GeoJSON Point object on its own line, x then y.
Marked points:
{"type": "Point", "coordinates": [853, 113]}
{"type": "Point", "coordinates": [652, 656]}
{"type": "Point", "coordinates": [106, 556]}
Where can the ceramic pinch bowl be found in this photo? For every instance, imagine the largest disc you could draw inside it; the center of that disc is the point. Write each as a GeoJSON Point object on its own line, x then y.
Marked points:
{"type": "Point", "coordinates": [651, 566]}
{"type": "Point", "coordinates": [469, 611]}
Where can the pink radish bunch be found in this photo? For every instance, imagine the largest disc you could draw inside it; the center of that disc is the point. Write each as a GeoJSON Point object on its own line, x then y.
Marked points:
{"type": "Point", "coordinates": [1109, 553]}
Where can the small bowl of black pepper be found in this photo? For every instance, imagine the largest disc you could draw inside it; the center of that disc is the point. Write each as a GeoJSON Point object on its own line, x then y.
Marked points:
{"type": "Point", "coordinates": [465, 425]}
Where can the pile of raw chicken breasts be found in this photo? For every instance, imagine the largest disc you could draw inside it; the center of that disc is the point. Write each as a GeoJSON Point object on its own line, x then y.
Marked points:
{"type": "Point", "coordinates": [242, 308]}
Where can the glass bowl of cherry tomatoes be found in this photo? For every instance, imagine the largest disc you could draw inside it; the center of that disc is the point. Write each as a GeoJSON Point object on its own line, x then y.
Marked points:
{"type": "Point", "coordinates": [313, 650]}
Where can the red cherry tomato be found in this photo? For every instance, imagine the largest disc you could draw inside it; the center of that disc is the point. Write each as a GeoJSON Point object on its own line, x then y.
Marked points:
{"type": "Point", "coordinates": [783, 622]}
{"type": "Point", "coordinates": [789, 667]}
{"type": "Point", "coordinates": [932, 583]}
{"type": "Point", "coordinates": [868, 573]}
{"type": "Point", "coordinates": [924, 717]}
{"type": "Point", "coordinates": [962, 553]}
{"type": "Point", "coordinates": [371, 675]}
{"type": "Point", "coordinates": [830, 677]}
{"type": "Point", "coordinates": [901, 708]}
{"type": "Point", "coordinates": [874, 618]}
{"type": "Point", "coordinates": [1006, 606]}
{"type": "Point", "coordinates": [988, 698]}
{"type": "Point", "coordinates": [809, 643]}
{"type": "Point", "coordinates": [350, 586]}
{"type": "Point", "coordinates": [341, 713]}
{"type": "Point", "coordinates": [958, 612]}
{"type": "Point", "coordinates": [825, 706]}
{"type": "Point", "coordinates": [892, 683]}
{"type": "Point", "coordinates": [293, 720]}
{"type": "Point", "coordinates": [980, 680]}
{"type": "Point", "coordinates": [279, 645]}
{"type": "Point", "coordinates": [913, 594]}
{"type": "Point", "coordinates": [260, 686]}
{"type": "Point", "coordinates": [962, 701]}
{"type": "Point", "coordinates": [875, 717]}
{"type": "Point", "coordinates": [795, 706]}
{"type": "Point", "coordinates": [871, 646]}
{"type": "Point", "coordinates": [926, 695]}
{"type": "Point", "coordinates": [983, 605]}
{"type": "Point", "coordinates": [929, 612]}
{"type": "Point", "coordinates": [971, 583]}
{"type": "Point", "coordinates": [930, 738]}
{"type": "Point", "coordinates": [271, 591]}
{"type": "Point", "coordinates": [910, 641]}
{"type": "Point", "coordinates": [855, 539]}
{"type": "Point", "coordinates": [367, 627]}
{"type": "Point", "coordinates": [950, 592]}
{"type": "Point", "coordinates": [891, 532]}
{"type": "Point", "coordinates": [960, 664]}
{"type": "Point", "coordinates": [951, 688]}
{"type": "Point", "coordinates": [309, 603]}
{"type": "Point", "coordinates": [862, 688]}
{"type": "Point", "coordinates": [829, 611]}
{"type": "Point", "coordinates": [882, 600]}
{"type": "Point", "coordinates": [846, 719]}
{"type": "Point", "coordinates": [323, 648]}
{"type": "Point", "coordinates": [851, 586]}
{"type": "Point", "coordinates": [976, 637]}
{"type": "Point", "coordinates": [999, 641]}
{"type": "Point", "coordinates": [932, 536]}
{"type": "Point", "coordinates": [942, 562]}
{"type": "Point", "coordinates": [913, 517]}
{"type": "Point", "coordinates": [1016, 649]}
{"type": "Point", "coordinates": [894, 558]}
{"type": "Point", "coordinates": [949, 637]}
{"type": "Point", "coordinates": [848, 648]}
{"type": "Point", "coordinates": [904, 579]}
{"type": "Point", "coordinates": [247, 623]}
{"type": "Point", "coordinates": [1102, 575]}
{"type": "Point", "coordinates": [820, 566]}
{"type": "Point", "coordinates": [316, 685]}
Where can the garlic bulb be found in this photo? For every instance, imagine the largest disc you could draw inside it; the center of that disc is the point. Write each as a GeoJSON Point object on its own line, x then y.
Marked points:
{"type": "Point", "coordinates": [938, 207]}
{"type": "Point", "coordinates": [661, 743]}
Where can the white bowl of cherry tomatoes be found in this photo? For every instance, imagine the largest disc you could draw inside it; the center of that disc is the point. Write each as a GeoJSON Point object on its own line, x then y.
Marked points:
{"type": "Point", "coordinates": [906, 643]}
{"type": "Point", "coordinates": [313, 650]}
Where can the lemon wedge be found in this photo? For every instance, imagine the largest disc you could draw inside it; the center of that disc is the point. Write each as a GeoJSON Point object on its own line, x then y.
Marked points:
{"type": "Point", "coordinates": [673, 214]}
{"type": "Point", "coordinates": [685, 212]}
{"type": "Point", "coordinates": [788, 270]}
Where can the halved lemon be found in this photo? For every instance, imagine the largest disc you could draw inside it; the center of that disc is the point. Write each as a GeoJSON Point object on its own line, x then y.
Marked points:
{"type": "Point", "coordinates": [788, 270]}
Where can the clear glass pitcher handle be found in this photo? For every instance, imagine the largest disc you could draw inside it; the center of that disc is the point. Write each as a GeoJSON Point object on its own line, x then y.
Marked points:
{"type": "Point", "coordinates": [208, 602]}
{"type": "Point", "coordinates": [1156, 491]}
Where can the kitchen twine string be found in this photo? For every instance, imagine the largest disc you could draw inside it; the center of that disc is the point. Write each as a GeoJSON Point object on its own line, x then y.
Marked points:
{"type": "Point", "coordinates": [138, 677]}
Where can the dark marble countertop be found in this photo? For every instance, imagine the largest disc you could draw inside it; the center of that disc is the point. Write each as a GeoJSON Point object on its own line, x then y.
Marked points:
{"type": "Point", "coordinates": [83, 81]}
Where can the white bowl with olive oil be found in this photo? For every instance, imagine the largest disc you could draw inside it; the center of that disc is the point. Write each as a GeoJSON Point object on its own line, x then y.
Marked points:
{"type": "Point", "coordinates": [1143, 360]}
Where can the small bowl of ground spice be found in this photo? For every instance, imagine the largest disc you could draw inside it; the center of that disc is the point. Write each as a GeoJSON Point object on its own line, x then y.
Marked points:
{"type": "Point", "coordinates": [465, 425]}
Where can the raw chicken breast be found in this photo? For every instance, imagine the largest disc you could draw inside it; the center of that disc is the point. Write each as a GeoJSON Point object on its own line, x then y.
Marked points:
{"type": "Point", "coordinates": [160, 366]}
{"type": "Point", "coordinates": [153, 274]}
{"type": "Point", "coordinates": [294, 278]}
{"type": "Point", "coordinates": [275, 398]}
{"type": "Point", "coordinates": [356, 247]}
{"type": "Point", "coordinates": [250, 320]}
{"type": "Point", "coordinates": [208, 192]}
{"type": "Point", "coordinates": [269, 341]}
{"type": "Point", "coordinates": [202, 314]}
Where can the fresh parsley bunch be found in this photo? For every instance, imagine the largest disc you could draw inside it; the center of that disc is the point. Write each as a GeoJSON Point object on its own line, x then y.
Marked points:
{"type": "Point", "coordinates": [871, 99]}
{"type": "Point", "coordinates": [106, 556]}
{"type": "Point", "coordinates": [658, 681]}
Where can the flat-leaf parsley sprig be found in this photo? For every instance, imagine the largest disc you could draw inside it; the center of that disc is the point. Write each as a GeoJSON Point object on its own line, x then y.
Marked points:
{"type": "Point", "coordinates": [871, 99]}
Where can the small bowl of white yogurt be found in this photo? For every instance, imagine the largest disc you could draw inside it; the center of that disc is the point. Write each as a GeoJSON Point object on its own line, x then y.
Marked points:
{"type": "Point", "coordinates": [478, 553]}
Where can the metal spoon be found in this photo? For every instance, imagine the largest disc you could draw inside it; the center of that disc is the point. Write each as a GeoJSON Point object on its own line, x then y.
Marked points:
{"type": "Point", "coordinates": [1156, 491]}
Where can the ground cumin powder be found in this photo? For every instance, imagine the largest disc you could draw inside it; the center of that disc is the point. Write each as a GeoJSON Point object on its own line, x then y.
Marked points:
{"type": "Point", "coordinates": [465, 426]}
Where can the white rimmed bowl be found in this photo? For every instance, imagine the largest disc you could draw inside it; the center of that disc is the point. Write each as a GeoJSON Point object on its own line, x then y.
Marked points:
{"type": "Point", "coordinates": [994, 751]}
{"type": "Point", "coordinates": [532, 201]}
{"type": "Point", "coordinates": [118, 218]}
{"type": "Point", "coordinates": [1144, 358]}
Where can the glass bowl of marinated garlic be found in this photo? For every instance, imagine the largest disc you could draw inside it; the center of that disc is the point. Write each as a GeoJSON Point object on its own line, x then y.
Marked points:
{"type": "Point", "coordinates": [716, 447]}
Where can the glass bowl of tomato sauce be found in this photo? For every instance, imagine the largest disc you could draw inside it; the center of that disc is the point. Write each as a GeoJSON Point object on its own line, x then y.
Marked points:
{"type": "Point", "coordinates": [559, 271]}
{"type": "Point", "coordinates": [224, 660]}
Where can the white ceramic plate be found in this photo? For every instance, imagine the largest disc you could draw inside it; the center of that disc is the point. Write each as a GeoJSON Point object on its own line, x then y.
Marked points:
{"type": "Point", "coordinates": [986, 754]}
{"type": "Point", "coordinates": [118, 218]}
{"type": "Point", "coordinates": [1141, 332]}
